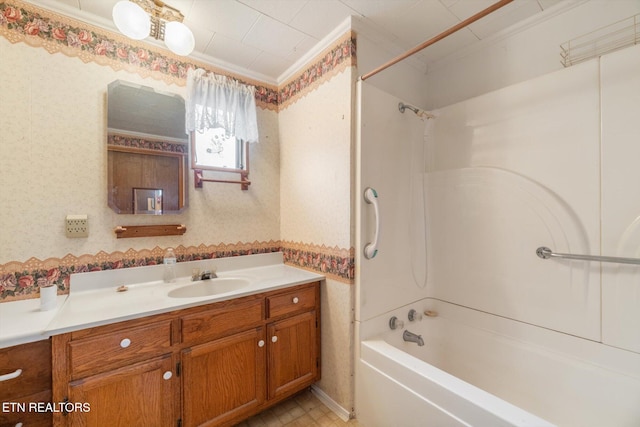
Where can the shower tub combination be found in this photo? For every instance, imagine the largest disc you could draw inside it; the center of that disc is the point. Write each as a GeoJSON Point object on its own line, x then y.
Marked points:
{"type": "Point", "coordinates": [478, 369]}
{"type": "Point", "coordinates": [460, 204]}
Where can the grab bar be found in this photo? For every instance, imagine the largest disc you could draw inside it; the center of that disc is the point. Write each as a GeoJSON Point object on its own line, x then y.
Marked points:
{"type": "Point", "coordinates": [371, 197]}
{"type": "Point", "coordinates": [546, 253]}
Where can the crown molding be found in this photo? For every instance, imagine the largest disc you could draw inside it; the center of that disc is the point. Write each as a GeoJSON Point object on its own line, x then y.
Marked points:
{"type": "Point", "coordinates": [359, 25]}
{"type": "Point", "coordinates": [316, 50]}
{"type": "Point", "coordinates": [234, 69]}
{"type": "Point", "coordinates": [75, 13]}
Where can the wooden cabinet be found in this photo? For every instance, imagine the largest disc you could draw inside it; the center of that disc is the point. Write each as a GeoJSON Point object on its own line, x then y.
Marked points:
{"type": "Point", "coordinates": [101, 352]}
{"type": "Point", "coordinates": [293, 342]}
{"type": "Point", "coordinates": [222, 319]}
{"type": "Point", "coordinates": [223, 379]}
{"type": "Point", "coordinates": [294, 301]}
{"type": "Point", "coordinates": [212, 365]}
{"type": "Point", "coordinates": [118, 375]}
{"type": "Point", "coordinates": [138, 395]}
{"type": "Point", "coordinates": [25, 381]}
{"type": "Point", "coordinates": [293, 355]}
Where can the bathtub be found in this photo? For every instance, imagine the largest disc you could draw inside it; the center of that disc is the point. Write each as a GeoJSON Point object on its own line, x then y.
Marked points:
{"type": "Point", "coordinates": [477, 369]}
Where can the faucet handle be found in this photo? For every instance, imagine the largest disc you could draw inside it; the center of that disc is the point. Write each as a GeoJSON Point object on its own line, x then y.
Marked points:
{"type": "Point", "coordinates": [395, 323]}
{"type": "Point", "coordinates": [414, 315]}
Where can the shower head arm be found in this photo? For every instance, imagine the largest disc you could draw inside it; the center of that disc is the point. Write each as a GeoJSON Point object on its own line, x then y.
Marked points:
{"type": "Point", "coordinates": [402, 106]}
{"type": "Point", "coordinates": [418, 112]}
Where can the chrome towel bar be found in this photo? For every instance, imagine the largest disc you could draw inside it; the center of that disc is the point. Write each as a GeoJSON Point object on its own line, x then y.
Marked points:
{"type": "Point", "coordinates": [546, 253]}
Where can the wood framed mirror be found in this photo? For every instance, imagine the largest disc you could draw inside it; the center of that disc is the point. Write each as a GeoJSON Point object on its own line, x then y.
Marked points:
{"type": "Point", "coordinates": [147, 148]}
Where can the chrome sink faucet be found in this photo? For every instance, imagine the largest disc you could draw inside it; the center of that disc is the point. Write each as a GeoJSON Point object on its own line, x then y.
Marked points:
{"type": "Point", "coordinates": [205, 275]}
{"type": "Point", "coordinates": [411, 337]}
{"type": "Point", "coordinates": [208, 274]}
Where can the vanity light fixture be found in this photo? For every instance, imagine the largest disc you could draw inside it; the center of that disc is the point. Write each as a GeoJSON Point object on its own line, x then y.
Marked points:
{"type": "Point", "coordinates": [138, 19]}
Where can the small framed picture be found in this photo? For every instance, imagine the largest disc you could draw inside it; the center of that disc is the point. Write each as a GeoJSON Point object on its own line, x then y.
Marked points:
{"type": "Point", "coordinates": [147, 201]}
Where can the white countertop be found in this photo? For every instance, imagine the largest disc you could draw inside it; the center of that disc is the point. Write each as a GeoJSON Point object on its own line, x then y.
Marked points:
{"type": "Point", "coordinates": [94, 301]}
{"type": "Point", "coordinates": [22, 321]}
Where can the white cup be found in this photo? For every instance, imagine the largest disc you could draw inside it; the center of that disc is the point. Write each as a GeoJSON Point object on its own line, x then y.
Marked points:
{"type": "Point", "coordinates": [48, 296]}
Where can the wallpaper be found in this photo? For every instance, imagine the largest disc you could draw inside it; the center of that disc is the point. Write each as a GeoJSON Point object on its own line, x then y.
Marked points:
{"type": "Point", "coordinates": [55, 123]}
{"type": "Point", "coordinates": [23, 22]}
{"type": "Point", "coordinates": [20, 280]}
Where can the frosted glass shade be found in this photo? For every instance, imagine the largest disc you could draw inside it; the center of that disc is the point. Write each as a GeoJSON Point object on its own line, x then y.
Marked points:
{"type": "Point", "coordinates": [179, 38]}
{"type": "Point", "coordinates": [131, 20]}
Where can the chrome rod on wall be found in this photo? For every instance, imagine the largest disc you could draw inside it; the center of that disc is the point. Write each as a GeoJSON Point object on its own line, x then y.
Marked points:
{"type": "Point", "coordinates": [437, 38]}
{"type": "Point", "coordinates": [546, 253]}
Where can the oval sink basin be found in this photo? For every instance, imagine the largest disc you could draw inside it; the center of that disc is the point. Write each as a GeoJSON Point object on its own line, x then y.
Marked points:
{"type": "Point", "coordinates": [206, 288]}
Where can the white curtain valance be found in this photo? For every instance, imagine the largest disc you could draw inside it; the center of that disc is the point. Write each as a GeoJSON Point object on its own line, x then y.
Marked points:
{"type": "Point", "coordinates": [215, 101]}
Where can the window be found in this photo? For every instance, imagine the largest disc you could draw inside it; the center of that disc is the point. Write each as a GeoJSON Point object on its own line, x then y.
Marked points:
{"type": "Point", "coordinates": [221, 119]}
{"type": "Point", "coordinates": [212, 149]}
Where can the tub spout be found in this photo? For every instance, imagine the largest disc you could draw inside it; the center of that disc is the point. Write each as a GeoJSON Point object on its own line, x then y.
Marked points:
{"type": "Point", "coordinates": [411, 337]}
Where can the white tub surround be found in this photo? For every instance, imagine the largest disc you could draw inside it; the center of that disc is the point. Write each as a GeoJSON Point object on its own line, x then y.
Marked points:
{"type": "Point", "coordinates": [428, 395]}
{"type": "Point", "coordinates": [466, 203]}
{"type": "Point", "coordinates": [480, 369]}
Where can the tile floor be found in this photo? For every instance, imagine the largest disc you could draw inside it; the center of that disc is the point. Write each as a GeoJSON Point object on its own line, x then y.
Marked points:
{"type": "Point", "coordinates": [301, 410]}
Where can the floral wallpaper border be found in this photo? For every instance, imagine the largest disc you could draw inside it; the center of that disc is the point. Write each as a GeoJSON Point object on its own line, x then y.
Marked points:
{"type": "Point", "coordinates": [127, 141]}
{"type": "Point", "coordinates": [21, 280]}
{"type": "Point", "coordinates": [23, 22]}
{"type": "Point", "coordinates": [335, 263]}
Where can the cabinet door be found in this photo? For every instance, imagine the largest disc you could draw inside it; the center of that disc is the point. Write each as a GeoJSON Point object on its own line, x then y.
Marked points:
{"type": "Point", "coordinates": [223, 379]}
{"type": "Point", "coordinates": [293, 354]}
{"type": "Point", "coordinates": [138, 395]}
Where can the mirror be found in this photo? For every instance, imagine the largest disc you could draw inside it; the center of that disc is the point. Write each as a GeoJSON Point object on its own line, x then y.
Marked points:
{"type": "Point", "coordinates": [148, 150]}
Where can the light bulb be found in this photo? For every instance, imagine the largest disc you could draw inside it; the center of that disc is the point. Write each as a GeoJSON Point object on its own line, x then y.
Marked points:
{"type": "Point", "coordinates": [179, 38]}
{"type": "Point", "coordinates": [131, 20]}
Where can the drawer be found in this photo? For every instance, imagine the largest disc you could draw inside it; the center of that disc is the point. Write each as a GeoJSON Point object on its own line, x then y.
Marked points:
{"type": "Point", "coordinates": [111, 350]}
{"type": "Point", "coordinates": [300, 299]}
{"type": "Point", "coordinates": [222, 320]}
{"type": "Point", "coordinates": [25, 369]}
{"type": "Point", "coordinates": [26, 412]}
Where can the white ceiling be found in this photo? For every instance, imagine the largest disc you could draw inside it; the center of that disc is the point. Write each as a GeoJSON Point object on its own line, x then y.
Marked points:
{"type": "Point", "coordinates": [267, 37]}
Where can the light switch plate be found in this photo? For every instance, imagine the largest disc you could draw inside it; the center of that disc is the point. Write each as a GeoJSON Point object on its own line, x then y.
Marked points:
{"type": "Point", "coordinates": [77, 226]}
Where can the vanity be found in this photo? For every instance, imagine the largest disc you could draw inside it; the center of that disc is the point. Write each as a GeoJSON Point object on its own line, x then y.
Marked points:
{"type": "Point", "coordinates": [175, 354]}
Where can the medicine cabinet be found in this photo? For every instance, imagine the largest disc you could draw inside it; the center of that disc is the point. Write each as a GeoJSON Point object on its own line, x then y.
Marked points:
{"type": "Point", "coordinates": [147, 150]}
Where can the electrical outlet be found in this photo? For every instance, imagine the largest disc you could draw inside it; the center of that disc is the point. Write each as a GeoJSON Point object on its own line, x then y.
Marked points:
{"type": "Point", "coordinates": [77, 226]}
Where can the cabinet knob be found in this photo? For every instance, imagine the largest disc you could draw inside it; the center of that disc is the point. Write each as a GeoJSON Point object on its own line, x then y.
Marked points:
{"type": "Point", "coordinates": [167, 375]}
{"type": "Point", "coordinates": [274, 338]}
{"type": "Point", "coordinates": [126, 342]}
{"type": "Point", "coordinates": [10, 376]}
{"type": "Point", "coordinates": [295, 300]}
{"type": "Point", "coordinates": [261, 343]}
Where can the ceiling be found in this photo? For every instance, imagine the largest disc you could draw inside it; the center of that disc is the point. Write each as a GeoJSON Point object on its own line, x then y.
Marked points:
{"type": "Point", "coordinates": [265, 38]}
